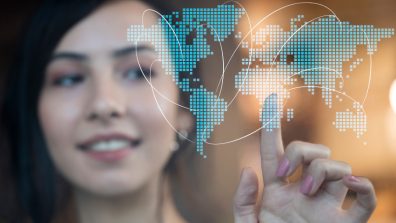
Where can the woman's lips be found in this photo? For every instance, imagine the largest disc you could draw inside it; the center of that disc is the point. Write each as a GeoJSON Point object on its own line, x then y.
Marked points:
{"type": "Point", "coordinates": [110, 156]}
{"type": "Point", "coordinates": [109, 147]}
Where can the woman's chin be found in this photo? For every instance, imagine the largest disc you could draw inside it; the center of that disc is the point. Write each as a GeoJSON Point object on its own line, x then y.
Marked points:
{"type": "Point", "coordinates": [114, 185]}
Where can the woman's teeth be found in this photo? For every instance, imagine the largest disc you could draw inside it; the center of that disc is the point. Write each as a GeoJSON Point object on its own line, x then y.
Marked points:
{"type": "Point", "coordinates": [110, 145]}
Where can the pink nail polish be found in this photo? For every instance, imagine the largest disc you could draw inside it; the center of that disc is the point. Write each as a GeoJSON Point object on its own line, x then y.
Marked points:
{"type": "Point", "coordinates": [306, 185]}
{"type": "Point", "coordinates": [353, 178]}
{"type": "Point", "coordinates": [283, 168]}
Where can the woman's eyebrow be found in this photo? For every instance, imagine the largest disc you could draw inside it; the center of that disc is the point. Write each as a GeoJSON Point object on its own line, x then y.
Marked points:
{"type": "Point", "coordinates": [129, 50]}
{"type": "Point", "coordinates": [116, 54]}
{"type": "Point", "coordinates": [69, 55]}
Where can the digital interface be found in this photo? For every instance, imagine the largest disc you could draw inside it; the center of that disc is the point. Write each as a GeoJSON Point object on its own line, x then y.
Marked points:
{"type": "Point", "coordinates": [312, 52]}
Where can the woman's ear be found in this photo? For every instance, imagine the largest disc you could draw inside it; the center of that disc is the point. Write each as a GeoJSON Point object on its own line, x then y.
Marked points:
{"type": "Point", "coordinates": [185, 120]}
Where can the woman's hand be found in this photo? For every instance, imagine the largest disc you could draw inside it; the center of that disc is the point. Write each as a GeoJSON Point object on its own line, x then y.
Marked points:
{"type": "Point", "coordinates": [315, 198]}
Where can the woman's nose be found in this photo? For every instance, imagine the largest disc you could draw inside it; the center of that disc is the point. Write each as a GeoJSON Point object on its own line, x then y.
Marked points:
{"type": "Point", "coordinates": [107, 102]}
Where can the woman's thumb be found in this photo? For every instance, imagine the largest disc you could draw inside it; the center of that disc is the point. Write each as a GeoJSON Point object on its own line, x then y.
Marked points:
{"type": "Point", "coordinates": [245, 197]}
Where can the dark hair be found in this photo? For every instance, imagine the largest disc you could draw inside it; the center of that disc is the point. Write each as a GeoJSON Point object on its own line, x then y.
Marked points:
{"type": "Point", "coordinates": [38, 186]}
{"type": "Point", "coordinates": [34, 171]}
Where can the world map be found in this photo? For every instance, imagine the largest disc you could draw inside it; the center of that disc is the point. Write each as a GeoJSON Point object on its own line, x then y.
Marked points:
{"type": "Point", "coordinates": [313, 52]}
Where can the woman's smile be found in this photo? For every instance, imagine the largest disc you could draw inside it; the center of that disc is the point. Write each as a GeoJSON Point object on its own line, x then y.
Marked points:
{"type": "Point", "coordinates": [109, 147]}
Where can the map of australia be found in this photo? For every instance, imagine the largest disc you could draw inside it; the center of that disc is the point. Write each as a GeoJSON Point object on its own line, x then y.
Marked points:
{"type": "Point", "coordinates": [314, 52]}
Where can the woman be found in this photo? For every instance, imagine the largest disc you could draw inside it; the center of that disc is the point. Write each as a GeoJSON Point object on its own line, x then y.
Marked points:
{"type": "Point", "coordinates": [79, 110]}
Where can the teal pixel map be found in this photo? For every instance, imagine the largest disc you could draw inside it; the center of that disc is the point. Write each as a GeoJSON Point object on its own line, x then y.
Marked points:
{"type": "Point", "coordinates": [314, 52]}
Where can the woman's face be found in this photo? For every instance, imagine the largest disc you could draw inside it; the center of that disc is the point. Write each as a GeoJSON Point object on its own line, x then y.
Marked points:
{"type": "Point", "coordinates": [101, 123]}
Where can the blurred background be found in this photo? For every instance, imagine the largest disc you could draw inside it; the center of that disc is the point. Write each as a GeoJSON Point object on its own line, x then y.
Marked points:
{"type": "Point", "coordinates": [313, 119]}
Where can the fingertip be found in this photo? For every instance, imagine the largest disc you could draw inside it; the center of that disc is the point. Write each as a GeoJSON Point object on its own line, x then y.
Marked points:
{"type": "Point", "coordinates": [351, 179]}
{"type": "Point", "coordinates": [360, 185]}
{"type": "Point", "coordinates": [246, 170]}
{"type": "Point", "coordinates": [248, 175]}
{"type": "Point", "coordinates": [271, 114]}
{"type": "Point", "coordinates": [353, 182]}
{"type": "Point", "coordinates": [366, 200]}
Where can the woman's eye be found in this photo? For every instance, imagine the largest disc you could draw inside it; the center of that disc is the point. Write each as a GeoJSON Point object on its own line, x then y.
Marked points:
{"type": "Point", "coordinates": [137, 73]}
{"type": "Point", "coordinates": [69, 80]}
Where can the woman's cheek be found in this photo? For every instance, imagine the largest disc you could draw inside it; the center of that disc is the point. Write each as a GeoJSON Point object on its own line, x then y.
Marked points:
{"type": "Point", "coordinates": [59, 118]}
{"type": "Point", "coordinates": [153, 116]}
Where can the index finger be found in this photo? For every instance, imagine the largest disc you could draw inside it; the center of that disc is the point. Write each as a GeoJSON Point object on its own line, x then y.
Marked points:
{"type": "Point", "coordinates": [271, 148]}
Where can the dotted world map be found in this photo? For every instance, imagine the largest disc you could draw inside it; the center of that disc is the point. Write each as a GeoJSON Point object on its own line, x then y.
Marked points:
{"type": "Point", "coordinates": [313, 52]}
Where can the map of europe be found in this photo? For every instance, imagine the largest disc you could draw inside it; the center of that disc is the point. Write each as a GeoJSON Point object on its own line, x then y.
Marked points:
{"type": "Point", "coordinates": [314, 51]}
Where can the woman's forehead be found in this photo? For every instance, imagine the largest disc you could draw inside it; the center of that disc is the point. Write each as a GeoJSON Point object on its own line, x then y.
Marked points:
{"type": "Point", "coordinates": [106, 28]}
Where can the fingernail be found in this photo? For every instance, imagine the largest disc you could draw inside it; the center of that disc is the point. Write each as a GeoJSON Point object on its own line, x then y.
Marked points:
{"type": "Point", "coordinates": [353, 178]}
{"type": "Point", "coordinates": [283, 168]}
{"type": "Point", "coordinates": [270, 114]}
{"type": "Point", "coordinates": [306, 185]}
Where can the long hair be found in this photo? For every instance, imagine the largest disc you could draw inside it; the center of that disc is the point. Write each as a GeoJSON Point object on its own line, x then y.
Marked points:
{"type": "Point", "coordinates": [40, 190]}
